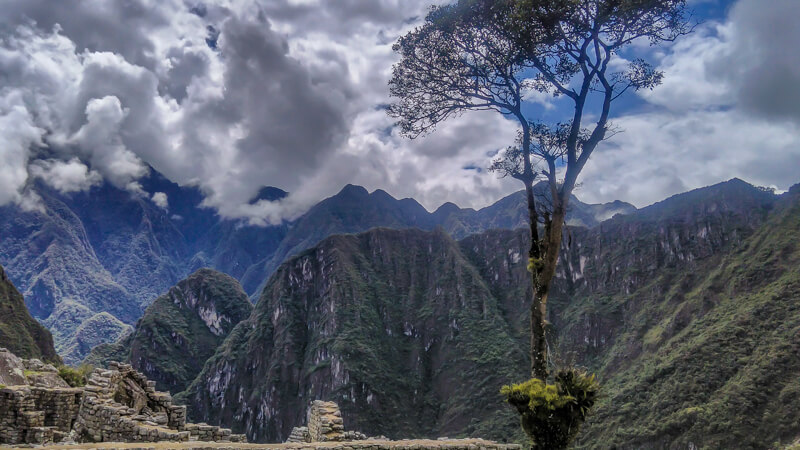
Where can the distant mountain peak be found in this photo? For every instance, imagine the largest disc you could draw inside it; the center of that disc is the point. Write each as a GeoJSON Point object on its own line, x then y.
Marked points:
{"type": "Point", "coordinates": [353, 190]}
{"type": "Point", "coordinates": [268, 193]}
{"type": "Point", "coordinates": [447, 208]}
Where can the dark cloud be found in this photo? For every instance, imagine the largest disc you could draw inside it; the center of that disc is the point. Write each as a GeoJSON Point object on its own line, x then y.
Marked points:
{"type": "Point", "coordinates": [96, 25]}
{"type": "Point", "coordinates": [761, 62]}
{"type": "Point", "coordinates": [288, 119]}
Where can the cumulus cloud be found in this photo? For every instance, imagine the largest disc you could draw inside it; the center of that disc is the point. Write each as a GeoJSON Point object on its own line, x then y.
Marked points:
{"type": "Point", "coordinates": [160, 200]}
{"type": "Point", "coordinates": [18, 134]}
{"type": "Point", "coordinates": [231, 96]}
{"type": "Point", "coordinates": [65, 176]}
{"type": "Point", "coordinates": [759, 59]}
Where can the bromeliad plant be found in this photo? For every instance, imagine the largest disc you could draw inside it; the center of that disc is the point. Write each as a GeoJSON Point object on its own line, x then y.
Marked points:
{"type": "Point", "coordinates": [552, 414]}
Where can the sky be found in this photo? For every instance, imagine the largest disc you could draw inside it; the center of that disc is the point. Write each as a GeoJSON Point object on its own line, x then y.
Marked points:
{"type": "Point", "coordinates": [233, 95]}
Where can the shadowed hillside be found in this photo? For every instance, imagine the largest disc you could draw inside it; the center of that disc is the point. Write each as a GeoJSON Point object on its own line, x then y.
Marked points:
{"type": "Point", "coordinates": [19, 332]}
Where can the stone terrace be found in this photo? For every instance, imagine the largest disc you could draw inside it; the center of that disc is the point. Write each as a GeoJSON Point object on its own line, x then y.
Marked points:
{"type": "Point", "coordinates": [369, 444]}
{"type": "Point", "coordinates": [122, 405]}
{"type": "Point", "coordinates": [116, 405]}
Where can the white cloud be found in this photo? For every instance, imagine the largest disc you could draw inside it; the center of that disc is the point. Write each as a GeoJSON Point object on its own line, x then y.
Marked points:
{"type": "Point", "coordinates": [709, 123]}
{"type": "Point", "coordinates": [160, 200]}
{"type": "Point", "coordinates": [665, 153]}
{"type": "Point", "coordinates": [18, 134]}
{"type": "Point", "coordinates": [65, 176]}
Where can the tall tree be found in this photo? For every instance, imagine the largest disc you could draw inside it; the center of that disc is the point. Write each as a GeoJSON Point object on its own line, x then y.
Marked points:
{"type": "Point", "coordinates": [492, 54]}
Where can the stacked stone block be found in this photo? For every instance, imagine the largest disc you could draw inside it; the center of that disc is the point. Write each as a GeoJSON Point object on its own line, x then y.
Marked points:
{"type": "Point", "coordinates": [205, 432]}
{"type": "Point", "coordinates": [325, 422]}
{"type": "Point", "coordinates": [122, 405]}
{"type": "Point", "coordinates": [36, 415]}
{"type": "Point", "coordinates": [116, 405]}
{"type": "Point", "coordinates": [298, 435]}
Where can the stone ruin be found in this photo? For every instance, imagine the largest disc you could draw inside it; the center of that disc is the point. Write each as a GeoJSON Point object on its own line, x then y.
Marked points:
{"type": "Point", "coordinates": [116, 405]}
{"type": "Point", "coordinates": [324, 424]}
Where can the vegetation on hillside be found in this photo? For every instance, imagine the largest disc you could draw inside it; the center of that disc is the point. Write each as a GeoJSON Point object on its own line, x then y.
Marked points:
{"type": "Point", "coordinates": [552, 414]}
{"type": "Point", "coordinates": [75, 377]}
{"type": "Point", "coordinates": [19, 332]}
{"type": "Point", "coordinates": [180, 330]}
{"type": "Point", "coordinates": [719, 365]}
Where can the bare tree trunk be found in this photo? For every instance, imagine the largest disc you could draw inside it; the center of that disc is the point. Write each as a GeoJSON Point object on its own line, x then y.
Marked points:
{"type": "Point", "coordinates": [544, 260]}
{"type": "Point", "coordinates": [538, 308]}
{"type": "Point", "coordinates": [538, 338]}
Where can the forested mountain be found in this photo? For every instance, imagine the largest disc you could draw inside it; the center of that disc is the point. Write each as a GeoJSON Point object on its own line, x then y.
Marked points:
{"type": "Point", "coordinates": [397, 326]}
{"type": "Point", "coordinates": [686, 310]}
{"type": "Point", "coordinates": [180, 330]}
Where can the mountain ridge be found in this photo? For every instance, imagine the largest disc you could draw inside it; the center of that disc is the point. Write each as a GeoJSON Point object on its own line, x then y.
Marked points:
{"type": "Point", "coordinates": [113, 251]}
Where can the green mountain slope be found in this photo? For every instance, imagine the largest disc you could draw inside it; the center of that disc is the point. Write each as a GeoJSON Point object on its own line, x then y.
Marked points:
{"type": "Point", "coordinates": [112, 251]}
{"type": "Point", "coordinates": [19, 332]}
{"type": "Point", "coordinates": [49, 256]}
{"type": "Point", "coordinates": [721, 366]}
{"type": "Point", "coordinates": [180, 330]}
{"type": "Point", "coordinates": [395, 325]}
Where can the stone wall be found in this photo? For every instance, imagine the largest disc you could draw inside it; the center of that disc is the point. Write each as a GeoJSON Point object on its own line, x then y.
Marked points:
{"type": "Point", "coordinates": [116, 405]}
{"type": "Point", "coordinates": [325, 422]}
{"type": "Point", "coordinates": [30, 415]}
{"type": "Point", "coordinates": [122, 405]}
{"type": "Point", "coordinates": [448, 444]}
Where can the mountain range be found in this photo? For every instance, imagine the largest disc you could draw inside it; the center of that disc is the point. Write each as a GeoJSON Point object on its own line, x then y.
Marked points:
{"type": "Point", "coordinates": [89, 263]}
{"type": "Point", "coordinates": [681, 308]}
{"type": "Point", "coordinates": [687, 310]}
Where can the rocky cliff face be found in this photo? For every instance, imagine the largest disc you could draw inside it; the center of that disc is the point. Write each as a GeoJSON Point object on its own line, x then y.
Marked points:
{"type": "Point", "coordinates": [395, 325]}
{"type": "Point", "coordinates": [686, 310]}
{"type": "Point", "coordinates": [180, 330]}
{"type": "Point", "coordinates": [19, 332]}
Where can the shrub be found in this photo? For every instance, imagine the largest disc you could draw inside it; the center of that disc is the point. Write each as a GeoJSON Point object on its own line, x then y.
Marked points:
{"type": "Point", "coordinates": [75, 377]}
{"type": "Point", "coordinates": [552, 414]}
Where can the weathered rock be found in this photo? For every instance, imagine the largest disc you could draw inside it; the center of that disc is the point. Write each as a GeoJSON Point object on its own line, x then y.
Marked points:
{"type": "Point", "coordinates": [117, 405]}
{"type": "Point", "coordinates": [12, 369]}
{"type": "Point", "coordinates": [42, 374]}
{"type": "Point", "coordinates": [299, 434]}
